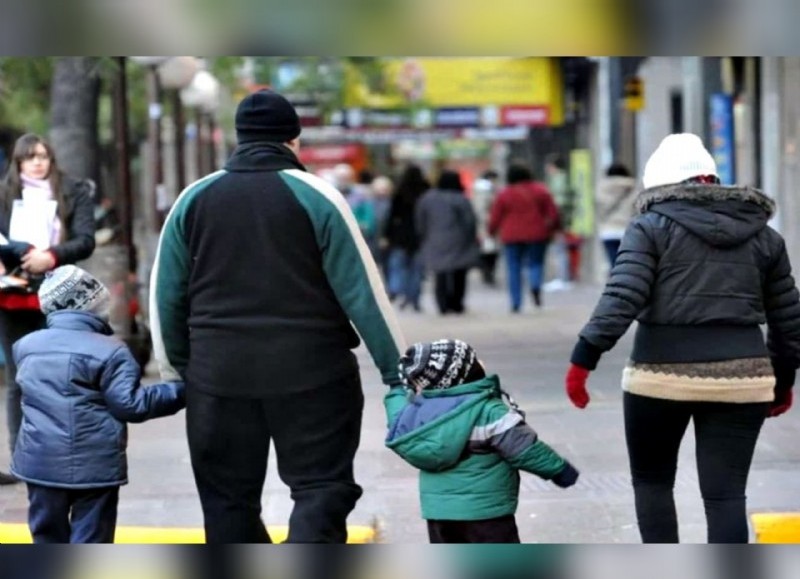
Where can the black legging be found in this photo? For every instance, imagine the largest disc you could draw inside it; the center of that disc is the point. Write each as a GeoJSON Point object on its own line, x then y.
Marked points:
{"type": "Point", "coordinates": [450, 289]}
{"type": "Point", "coordinates": [725, 435]}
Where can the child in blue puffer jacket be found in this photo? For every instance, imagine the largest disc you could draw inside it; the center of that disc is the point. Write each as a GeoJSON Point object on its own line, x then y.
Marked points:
{"type": "Point", "coordinates": [79, 387]}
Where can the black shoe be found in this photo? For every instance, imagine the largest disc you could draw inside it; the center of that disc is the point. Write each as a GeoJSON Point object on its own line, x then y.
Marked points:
{"type": "Point", "coordinates": [537, 297]}
{"type": "Point", "coordinates": [8, 479]}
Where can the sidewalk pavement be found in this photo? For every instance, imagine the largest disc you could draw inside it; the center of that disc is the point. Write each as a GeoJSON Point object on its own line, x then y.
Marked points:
{"type": "Point", "coordinates": [530, 352]}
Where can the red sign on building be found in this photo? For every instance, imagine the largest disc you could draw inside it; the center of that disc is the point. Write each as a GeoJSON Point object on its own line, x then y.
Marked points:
{"type": "Point", "coordinates": [532, 116]}
{"type": "Point", "coordinates": [319, 156]}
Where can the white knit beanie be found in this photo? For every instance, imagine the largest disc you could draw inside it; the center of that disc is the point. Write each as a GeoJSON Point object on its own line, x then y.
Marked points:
{"type": "Point", "coordinates": [71, 288]}
{"type": "Point", "coordinates": [679, 157]}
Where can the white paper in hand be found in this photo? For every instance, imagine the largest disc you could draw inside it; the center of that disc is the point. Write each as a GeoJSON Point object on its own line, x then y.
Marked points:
{"type": "Point", "coordinates": [32, 221]}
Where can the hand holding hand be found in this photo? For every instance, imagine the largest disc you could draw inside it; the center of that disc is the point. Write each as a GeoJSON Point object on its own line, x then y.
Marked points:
{"type": "Point", "coordinates": [575, 383]}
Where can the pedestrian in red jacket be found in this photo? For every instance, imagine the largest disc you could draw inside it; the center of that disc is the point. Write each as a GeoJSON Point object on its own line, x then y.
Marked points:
{"type": "Point", "coordinates": [525, 217]}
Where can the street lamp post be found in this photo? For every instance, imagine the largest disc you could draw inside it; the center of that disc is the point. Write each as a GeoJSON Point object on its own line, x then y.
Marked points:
{"type": "Point", "coordinates": [175, 74]}
{"type": "Point", "coordinates": [123, 159]}
{"type": "Point", "coordinates": [180, 129]}
{"type": "Point", "coordinates": [202, 95]}
{"type": "Point", "coordinates": [154, 110]}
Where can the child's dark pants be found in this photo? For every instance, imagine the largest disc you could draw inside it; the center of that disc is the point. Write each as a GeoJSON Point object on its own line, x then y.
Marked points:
{"type": "Point", "coordinates": [72, 515]}
{"type": "Point", "coordinates": [497, 530]}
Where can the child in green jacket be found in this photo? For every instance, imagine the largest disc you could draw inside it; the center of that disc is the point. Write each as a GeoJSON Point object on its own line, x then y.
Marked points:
{"type": "Point", "coordinates": [468, 444]}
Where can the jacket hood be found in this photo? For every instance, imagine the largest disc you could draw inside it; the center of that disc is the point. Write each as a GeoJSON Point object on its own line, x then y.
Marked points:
{"type": "Point", "coordinates": [78, 320]}
{"type": "Point", "coordinates": [722, 216]}
{"type": "Point", "coordinates": [432, 432]}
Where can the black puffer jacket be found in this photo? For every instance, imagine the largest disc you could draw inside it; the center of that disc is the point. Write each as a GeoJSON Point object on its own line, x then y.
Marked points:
{"type": "Point", "coordinates": [701, 270]}
{"type": "Point", "coordinates": [79, 240]}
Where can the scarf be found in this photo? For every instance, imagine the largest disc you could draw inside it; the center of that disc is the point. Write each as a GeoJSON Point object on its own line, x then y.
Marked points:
{"type": "Point", "coordinates": [31, 182]}
{"type": "Point", "coordinates": [38, 198]}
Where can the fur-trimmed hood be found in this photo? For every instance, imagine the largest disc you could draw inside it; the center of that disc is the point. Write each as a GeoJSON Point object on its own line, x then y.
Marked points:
{"type": "Point", "coordinates": [722, 215]}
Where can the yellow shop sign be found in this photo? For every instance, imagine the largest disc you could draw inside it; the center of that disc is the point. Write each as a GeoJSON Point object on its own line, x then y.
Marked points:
{"type": "Point", "coordinates": [458, 82]}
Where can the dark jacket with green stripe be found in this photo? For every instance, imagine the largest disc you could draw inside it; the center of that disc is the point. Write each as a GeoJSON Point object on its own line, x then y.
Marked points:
{"type": "Point", "coordinates": [260, 270]}
{"type": "Point", "coordinates": [469, 447]}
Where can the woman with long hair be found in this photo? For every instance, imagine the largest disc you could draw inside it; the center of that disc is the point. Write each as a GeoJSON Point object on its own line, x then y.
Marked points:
{"type": "Point", "coordinates": [404, 277]}
{"type": "Point", "coordinates": [46, 220]}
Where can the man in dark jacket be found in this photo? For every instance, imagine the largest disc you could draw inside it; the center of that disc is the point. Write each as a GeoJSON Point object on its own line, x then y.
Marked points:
{"type": "Point", "coordinates": [261, 268]}
{"type": "Point", "coordinates": [701, 271]}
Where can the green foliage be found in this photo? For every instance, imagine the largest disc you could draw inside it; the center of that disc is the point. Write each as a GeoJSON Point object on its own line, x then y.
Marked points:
{"type": "Point", "coordinates": [25, 93]}
{"type": "Point", "coordinates": [137, 101]}
{"type": "Point", "coordinates": [373, 70]}
{"type": "Point", "coordinates": [25, 86]}
{"type": "Point", "coordinates": [225, 69]}
{"type": "Point", "coordinates": [320, 78]}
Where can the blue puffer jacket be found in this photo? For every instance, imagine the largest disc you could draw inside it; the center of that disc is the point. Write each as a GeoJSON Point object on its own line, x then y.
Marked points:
{"type": "Point", "coordinates": [79, 388]}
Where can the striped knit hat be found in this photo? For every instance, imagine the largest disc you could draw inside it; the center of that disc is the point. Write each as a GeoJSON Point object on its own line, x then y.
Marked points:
{"type": "Point", "coordinates": [71, 288]}
{"type": "Point", "coordinates": [437, 365]}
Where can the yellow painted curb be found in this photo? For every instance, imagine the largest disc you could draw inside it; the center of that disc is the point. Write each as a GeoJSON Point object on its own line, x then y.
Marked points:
{"type": "Point", "coordinates": [776, 527]}
{"type": "Point", "coordinates": [18, 533]}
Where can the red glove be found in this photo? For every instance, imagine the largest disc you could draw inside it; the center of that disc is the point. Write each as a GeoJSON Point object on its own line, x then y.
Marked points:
{"type": "Point", "coordinates": [782, 403]}
{"type": "Point", "coordinates": [575, 382]}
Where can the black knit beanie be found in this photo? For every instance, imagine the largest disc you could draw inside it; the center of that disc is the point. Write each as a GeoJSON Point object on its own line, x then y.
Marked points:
{"type": "Point", "coordinates": [440, 364]}
{"type": "Point", "coordinates": [266, 116]}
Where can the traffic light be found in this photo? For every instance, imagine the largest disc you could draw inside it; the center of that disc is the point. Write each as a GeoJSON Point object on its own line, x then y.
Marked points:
{"type": "Point", "coordinates": [633, 94]}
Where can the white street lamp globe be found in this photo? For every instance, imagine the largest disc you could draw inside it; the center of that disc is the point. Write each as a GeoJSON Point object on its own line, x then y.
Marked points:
{"type": "Point", "coordinates": [202, 92]}
{"type": "Point", "coordinates": [149, 60]}
{"type": "Point", "coordinates": [178, 72]}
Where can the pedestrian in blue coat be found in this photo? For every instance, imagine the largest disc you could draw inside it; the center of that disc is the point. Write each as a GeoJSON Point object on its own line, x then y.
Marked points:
{"type": "Point", "coordinates": [80, 386]}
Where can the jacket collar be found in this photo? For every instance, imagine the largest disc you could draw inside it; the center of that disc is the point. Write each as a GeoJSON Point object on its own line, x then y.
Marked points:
{"type": "Point", "coordinates": [78, 320]}
{"type": "Point", "coordinates": [702, 192]}
{"type": "Point", "coordinates": [491, 382]}
{"type": "Point", "coordinates": [262, 156]}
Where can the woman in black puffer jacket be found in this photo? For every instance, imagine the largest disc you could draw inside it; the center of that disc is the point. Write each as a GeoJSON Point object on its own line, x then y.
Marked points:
{"type": "Point", "coordinates": [701, 271]}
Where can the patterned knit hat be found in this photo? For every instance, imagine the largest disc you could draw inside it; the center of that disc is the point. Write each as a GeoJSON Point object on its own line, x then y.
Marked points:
{"type": "Point", "coordinates": [72, 288]}
{"type": "Point", "coordinates": [437, 365]}
{"type": "Point", "coordinates": [679, 157]}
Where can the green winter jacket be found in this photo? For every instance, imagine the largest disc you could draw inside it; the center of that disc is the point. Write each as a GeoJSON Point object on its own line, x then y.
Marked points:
{"type": "Point", "coordinates": [469, 446]}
